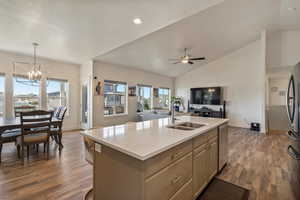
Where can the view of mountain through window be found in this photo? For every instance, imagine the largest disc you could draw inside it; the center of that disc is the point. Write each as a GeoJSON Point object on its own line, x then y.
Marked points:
{"type": "Point", "coordinates": [26, 96]}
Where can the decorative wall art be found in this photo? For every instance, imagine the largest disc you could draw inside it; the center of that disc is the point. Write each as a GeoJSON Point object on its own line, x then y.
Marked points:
{"type": "Point", "coordinates": [98, 87]}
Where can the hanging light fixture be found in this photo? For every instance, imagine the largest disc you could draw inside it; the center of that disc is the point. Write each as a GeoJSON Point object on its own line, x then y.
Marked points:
{"type": "Point", "coordinates": [35, 74]}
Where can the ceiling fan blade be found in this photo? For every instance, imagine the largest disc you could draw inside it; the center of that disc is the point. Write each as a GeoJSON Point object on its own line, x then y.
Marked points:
{"type": "Point", "coordinates": [177, 62]}
{"type": "Point", "coordinates": [201, 58]}
{"type": "Point", "coordinates": [191, 63]}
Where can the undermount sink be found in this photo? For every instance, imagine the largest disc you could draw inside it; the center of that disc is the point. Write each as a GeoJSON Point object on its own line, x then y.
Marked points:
{"type": "Point", "coordinates": [191, 125]}
{"type": "Point", "coordinates": [186, 126]}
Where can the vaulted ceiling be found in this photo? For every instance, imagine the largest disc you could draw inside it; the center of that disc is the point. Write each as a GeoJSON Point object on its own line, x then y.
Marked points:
{"type": "Point", "coordinates": [212, 33]}
{"type": "Point", "coordinates": [76, 30]}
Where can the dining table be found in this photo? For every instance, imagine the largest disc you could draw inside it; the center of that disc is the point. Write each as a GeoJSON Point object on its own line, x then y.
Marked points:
{"type": "Point", "coordinates": [7, 124]}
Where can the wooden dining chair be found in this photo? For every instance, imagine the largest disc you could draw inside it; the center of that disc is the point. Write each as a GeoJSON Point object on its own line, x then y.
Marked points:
{"type": "Point", "coordinates": [8, 137]}
{"type": "Point", "coordinates": [24, 108]}
{"type": "Point", "coordinates": [35, 129]}
{"type": "Point", "coordinates": [56, 131]}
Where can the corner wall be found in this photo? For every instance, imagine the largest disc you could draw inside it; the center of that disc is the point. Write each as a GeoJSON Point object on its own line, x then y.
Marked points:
{"type": "Point", "coordinates": [242, 75]}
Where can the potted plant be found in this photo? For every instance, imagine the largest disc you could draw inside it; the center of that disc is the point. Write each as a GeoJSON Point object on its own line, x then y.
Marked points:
{"type": "Point", "coordinates": [177, 102]}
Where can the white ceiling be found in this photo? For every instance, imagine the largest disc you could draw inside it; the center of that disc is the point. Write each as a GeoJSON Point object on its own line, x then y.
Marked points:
{"type": "Point", "coordinates": [78, 30]}
{"type": "Point", "coordinates": [212, 33]}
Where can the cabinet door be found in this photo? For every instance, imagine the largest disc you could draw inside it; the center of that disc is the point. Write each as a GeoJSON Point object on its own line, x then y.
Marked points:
{"type": "Point", "coordinates": [200, 170]}
{"type": "Point", "coordinates": [213, 159]}
{"type": "Point", "coordinates": [185, 193]}
{"type": "Point", "coordinates": [223, 146]}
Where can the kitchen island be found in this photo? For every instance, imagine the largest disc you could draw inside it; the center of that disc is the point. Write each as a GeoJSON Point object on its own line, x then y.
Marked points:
{"type": "Point", "coordinates": [155, 160]}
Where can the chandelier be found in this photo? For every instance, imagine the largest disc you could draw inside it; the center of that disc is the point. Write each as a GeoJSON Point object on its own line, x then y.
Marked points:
{"type": "Point", "coordinates": [35, 74]}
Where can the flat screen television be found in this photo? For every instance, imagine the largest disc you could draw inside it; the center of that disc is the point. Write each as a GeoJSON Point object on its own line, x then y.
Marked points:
{"type": "Point", "coordinates": [206, 96]}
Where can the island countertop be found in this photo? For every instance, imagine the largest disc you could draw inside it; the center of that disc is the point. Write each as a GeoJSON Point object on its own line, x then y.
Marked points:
{"type": "Point", "coordinates": [143, 140]}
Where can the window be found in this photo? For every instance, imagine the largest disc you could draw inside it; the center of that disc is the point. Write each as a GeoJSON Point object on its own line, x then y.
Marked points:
{"type": "Point", "coordinates": [115, 98]}
{"type": "Point", "coordinates": [164, 97]}
{"type": "Point", "coordinates": [144, 97]}
{"type": "Point", "coordinates": [2, 101]}
{"type": "Point", "coordinates": [57, 93]}
{"type": "Point", "coordinates": [26, 94]}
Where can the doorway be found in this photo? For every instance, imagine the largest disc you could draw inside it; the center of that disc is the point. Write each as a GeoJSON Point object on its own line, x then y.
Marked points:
{"type": "Point", "coordinates": [277, 115]}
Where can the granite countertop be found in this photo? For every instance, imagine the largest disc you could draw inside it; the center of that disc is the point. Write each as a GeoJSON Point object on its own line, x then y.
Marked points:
{"type": "Point", "coordinates": [143, 140]}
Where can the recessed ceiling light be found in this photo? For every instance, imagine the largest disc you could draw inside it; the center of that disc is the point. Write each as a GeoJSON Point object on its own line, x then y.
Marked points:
{"type": "Point", "coordinates": [137, 21]}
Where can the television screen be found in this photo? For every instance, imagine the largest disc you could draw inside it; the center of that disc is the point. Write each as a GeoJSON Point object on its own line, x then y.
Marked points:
{"type": "Point", "coordinates": [206, 96]}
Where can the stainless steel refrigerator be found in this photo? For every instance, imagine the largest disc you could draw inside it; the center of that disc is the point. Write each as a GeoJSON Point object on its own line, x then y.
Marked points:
{"type": "Point", "coordinates": [293, 111]}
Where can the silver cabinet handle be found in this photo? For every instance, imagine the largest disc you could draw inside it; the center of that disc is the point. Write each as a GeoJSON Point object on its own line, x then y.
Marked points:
{"type": "Point", "coordinates": [293, 136]}
{"type": "Point", "coordinates": [293, 153]}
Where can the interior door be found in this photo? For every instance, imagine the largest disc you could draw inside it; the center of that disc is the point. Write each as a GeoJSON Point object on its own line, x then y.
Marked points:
{"type": "Point", "coordinates": [84, 106]}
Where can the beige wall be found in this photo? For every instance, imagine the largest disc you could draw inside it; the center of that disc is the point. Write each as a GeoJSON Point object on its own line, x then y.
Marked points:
{"type": "Point", "coordinates": [242, 74]}
{"type": "Point", "coordinates": [52, 69]}
{"type": "Point", "coordinates": [275, 99]}
{"type": "Point", "coordinates": [132, 77]}
{"type": "Point", "coordinates": [283, 49]}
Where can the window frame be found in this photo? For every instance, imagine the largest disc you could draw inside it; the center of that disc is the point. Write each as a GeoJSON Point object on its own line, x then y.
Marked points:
{"type": "Point", "coordinates": [169, 96]}
{"type": "Point", "coordinates": [13, 91]}
{"type": "Point", "coordinates": [151, 95]}
{"type": "Point", "coordinates": [4, 94]}
{"type": "Point", "coordinates": [115, 93]}
{"type": "Point", "coordinates": [67, 92]}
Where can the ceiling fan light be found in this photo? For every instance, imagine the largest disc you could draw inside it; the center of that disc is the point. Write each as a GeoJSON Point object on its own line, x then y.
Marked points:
{"type": "Point", "coordinates": [184, 61]}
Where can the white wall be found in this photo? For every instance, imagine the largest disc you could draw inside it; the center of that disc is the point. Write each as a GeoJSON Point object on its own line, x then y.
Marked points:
{"type": "Point", "coordinates": [50, 68]}
{"type": "Point", "coordinates": [281, 85]}
{"type": "Point", "coordinates": [283, 49]}
{"type": "Point", "coordinates": [132, 77]}
{"type": "Point", "coordinates": [242, 74]}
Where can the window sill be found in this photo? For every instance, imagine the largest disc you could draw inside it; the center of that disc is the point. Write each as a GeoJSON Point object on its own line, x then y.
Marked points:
{"type": "Point", "coordinates": [116, 115]}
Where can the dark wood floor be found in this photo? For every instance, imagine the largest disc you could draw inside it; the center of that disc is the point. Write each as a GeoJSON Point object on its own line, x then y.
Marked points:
{"type": "Point", "coordinates": [256, 162]}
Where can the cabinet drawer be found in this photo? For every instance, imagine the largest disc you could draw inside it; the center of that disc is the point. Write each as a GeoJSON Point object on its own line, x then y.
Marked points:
{"type": "Point", "coordinates": [200, 140]}
{"type": "Point", "coordinates": [185, 193]}
{"type": "Point", "coordinates": [212, 133]}
{"type": "Point", "coordinates": [164, 184]}
{"type": "Point", "coordinates": [200, 149]}
{"type": "Point", "coordinates": [212, 140]}
{"type": "Point", "coordinates": [162, 160]}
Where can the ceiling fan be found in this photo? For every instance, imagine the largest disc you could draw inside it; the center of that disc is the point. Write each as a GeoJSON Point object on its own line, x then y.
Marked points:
{"type": "Point", "coordinates": [186, 59]}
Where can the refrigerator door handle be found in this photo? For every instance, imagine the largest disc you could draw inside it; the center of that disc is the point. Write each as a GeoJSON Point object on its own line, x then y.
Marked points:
{"type": "Point", "coordinates": [293, 153]}
{"type": "Point", "coordinates": [290, 100]}
{"type": "Point", "coordinates": [293, 136]}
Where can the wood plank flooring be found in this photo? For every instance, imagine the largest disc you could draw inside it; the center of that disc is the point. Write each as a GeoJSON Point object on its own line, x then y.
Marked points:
{"type": "Point", "coordinates": [62, 177]}
{"type": "Point", "coordinates": [259, 163]}
{"type": "Point", "coordinates": [256, 162]}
